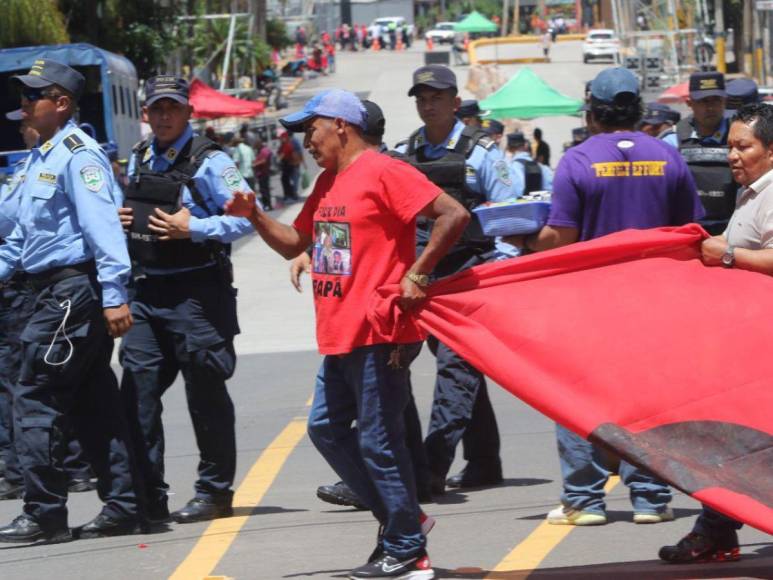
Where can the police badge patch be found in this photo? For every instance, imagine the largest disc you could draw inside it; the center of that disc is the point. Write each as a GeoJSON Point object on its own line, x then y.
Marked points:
{"type": "Point", "coordinates": [503, 172]}
{"type": "Point", "coordinates": [92, 178]}
{"type": "Point", "coordinates": [232, 178]}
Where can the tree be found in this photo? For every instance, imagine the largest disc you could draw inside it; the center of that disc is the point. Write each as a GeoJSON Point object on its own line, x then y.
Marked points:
{"type": "Point", "coordinates": [31, 22]}
{"type": "Point", "coordinates": [142, 30]}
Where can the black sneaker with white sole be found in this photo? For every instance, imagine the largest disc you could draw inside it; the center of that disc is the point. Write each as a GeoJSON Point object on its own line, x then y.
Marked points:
{"type": "Point", "coordinates": [416, 567]}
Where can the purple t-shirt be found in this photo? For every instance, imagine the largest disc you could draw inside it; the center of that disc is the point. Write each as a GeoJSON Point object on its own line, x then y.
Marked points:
{"type": "Point", "coordinates": [616, 181]}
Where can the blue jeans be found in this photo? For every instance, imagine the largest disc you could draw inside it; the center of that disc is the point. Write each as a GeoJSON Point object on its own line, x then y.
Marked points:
{"type": "Point", "coordinates": [372, 458]}
{"type": "Point", "coordinates": [584, 471]}
{"type": "Point", "coordinates": [714, 524]}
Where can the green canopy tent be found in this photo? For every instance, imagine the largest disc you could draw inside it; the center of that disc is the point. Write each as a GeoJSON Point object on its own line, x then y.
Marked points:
{"type": "Point", "coordinates": [527, 96]}
{"type": "Point", "coordinates": [476, 22]}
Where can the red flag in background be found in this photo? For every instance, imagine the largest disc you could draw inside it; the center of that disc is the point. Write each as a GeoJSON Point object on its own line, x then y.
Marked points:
{"type": "Point", "coordinates": [630, 341]}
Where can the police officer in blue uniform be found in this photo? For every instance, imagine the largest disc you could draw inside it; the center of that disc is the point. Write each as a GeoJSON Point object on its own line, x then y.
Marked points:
{"type": "Point", "coordinates": [69, 244]}
{"type": "Point", "coordinates": [659, 121]}
{"type": "Point", "coordinates": [185, 305]}
{"type": "Point", "coordinates": [16, 301]}
{"type": "Point", "coordinates": [466, 163]}
{"type": "Point", "coordinates": [702, 140]}
{"type": "Point", "coordinates": [528, 175]}
{"type": "Point", "coordinates": [15, 304]}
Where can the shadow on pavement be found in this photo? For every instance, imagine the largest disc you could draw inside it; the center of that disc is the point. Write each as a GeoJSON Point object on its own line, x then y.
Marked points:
{"type": "Point", "coordinates": [751, 566]}
{"type": "Point", "coordinates": [454, 495]}
{"type": "Point", "coordinates": [263, 510]}
{"type": "Point", "coordinates": [625, 516]}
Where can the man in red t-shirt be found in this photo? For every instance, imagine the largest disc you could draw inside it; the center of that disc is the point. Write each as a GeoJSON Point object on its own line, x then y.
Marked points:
{"type": "Point", "coordinates": [362, 228]}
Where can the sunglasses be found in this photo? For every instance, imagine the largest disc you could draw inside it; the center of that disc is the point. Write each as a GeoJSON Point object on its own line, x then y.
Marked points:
{"type": "Point", "coordinates": [33, 95]}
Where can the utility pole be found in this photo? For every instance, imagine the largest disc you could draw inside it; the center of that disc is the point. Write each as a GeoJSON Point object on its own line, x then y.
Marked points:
{"type": "Point", "coordinates": [505, 17]}
{"type": "Point", "coordinates": [719, 28]}
{"type": "Point", "coordinates": [748, 39]}
{"type": "Point", "coordinates": [517, 18]}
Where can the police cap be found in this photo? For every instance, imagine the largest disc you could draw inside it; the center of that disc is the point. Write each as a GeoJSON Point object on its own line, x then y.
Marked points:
{"type": "Point", "coordinates": [707, 84]}
{"type": "Point", "coordinates": [468, 108]}
{"type": "Point", "coordinates": [435, 76]}
{"type": "Point", "coordinates": [375, 120]}
{"type": "Point", "coordinates": [658, 113]}
{"type": "Point", "coordinates": [516, 139]}
{"type": "Point", "coordinates": [493, 127]}
{"type": "Point", "coordinates": [742, 92]}
{"type": "Point", "coordinates": [45, 73]}
{"type": "Point", "coordinates": [166, 87]}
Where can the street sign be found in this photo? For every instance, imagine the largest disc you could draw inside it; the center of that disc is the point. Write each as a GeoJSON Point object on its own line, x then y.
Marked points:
{"type": "Point", "coordinates": [764, 5]}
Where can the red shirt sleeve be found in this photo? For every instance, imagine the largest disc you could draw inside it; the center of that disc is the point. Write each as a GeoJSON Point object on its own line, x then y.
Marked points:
{"type": "Point", "coordinates": [406, 191]}
{"type": "Point", "coordinates": [305, 221]}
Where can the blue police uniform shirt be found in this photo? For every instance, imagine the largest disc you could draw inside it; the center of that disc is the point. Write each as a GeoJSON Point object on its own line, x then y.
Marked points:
{"type": "Point", "coordinates": [487, 171]}
{"type": "Point", "coordinates": [518, 171]}
{"type": "Point", "coordinates": [67, 215]}
{"type": "Point", "coordinates": [713, 140]}
{"type": "Point", "coordinates": [216, 180]}
{"type": "Point", "coordinates": [10, 197]}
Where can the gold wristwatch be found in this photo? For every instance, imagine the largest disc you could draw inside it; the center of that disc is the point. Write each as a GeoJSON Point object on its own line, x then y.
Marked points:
{"type": "Point", "coordinates": [418, 279]}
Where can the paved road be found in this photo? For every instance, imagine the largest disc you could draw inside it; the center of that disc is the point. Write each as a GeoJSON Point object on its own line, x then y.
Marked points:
{"type": "Point", "coordinates": [280, 529]}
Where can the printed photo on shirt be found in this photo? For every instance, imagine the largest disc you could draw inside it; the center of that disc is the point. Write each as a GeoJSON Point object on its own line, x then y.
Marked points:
{"type": "Point", "coordinates": [332, 248]}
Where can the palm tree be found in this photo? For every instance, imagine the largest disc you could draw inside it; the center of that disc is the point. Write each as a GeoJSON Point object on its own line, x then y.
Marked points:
{"type": "Point", "coordinates": [31, 22]}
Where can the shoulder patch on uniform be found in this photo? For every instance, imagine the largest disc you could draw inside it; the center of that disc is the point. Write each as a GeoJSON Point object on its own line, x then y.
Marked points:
{"type": "Point", "coordinates": [503, 172]}
{"type": "Point", "coordinates": [92, 177]}
{"type": "Point", "coordinates": [74, 143]}
{"type": "Point", "coordinates": [486, 142]}
{"type": "Point", "coordinates": [232, 178]}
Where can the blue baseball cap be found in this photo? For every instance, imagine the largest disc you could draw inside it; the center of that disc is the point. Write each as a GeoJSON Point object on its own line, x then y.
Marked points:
{"type": "Point", "coordinates": [334, 104]}
{"type": "Point", "coordinates": [45, 73]}
{"type": "Point", "coordinates": [612, 83]}
{"type": "Point", "coordinates": [166, 87]}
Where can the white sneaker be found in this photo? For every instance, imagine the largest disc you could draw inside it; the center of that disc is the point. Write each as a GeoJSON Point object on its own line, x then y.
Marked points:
{"type": "Point", "coordinates": [667, 515]}
{"type": "Point", "coordinates": [566, 516]}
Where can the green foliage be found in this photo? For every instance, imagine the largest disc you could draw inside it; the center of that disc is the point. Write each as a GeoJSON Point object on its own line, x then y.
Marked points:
{"type": "Point", "coordinates": [31, 22]}
{"type": "Point", "coordinates": [142, 30]}
{"type": "Point", "coordinates": [455, 8]}
{"type": "Point", "coordinates": [276, 34]}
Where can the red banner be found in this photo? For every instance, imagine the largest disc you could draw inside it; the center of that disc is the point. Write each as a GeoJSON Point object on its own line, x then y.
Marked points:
{"type": "Point", "coordinates": [630, 341]}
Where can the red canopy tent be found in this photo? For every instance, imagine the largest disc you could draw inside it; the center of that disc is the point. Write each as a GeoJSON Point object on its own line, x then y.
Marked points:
{"type": "Point", "coordinates": [209, 103]}
{"type": "Point", "coordinates": [676, 94]}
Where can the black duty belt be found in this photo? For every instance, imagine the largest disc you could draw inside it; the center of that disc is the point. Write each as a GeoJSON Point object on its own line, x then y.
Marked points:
{"type": "Point", "coordinates": [50, 277]}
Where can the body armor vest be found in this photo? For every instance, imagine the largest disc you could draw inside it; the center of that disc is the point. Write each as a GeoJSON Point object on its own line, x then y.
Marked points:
{"type": "Point", "coordinates": [713, 179]}
{"type": "Point", "coordinates": [532, 174]}
{"type": "Point", "coordinates": [449, 173]}
{"type": "Point", "coordinates": [149, 189]}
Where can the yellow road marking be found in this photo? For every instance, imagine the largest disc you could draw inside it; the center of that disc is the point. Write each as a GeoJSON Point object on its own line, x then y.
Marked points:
{"type": "Point", "coordinates": [311, 399]}
{"type": "Point", "coordinates": [527, 555]}
{"type": "Point", "coordinates": [220, 534]}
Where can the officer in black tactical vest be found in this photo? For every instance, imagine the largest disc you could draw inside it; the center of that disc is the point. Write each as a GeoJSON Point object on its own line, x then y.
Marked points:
{"type": "Point", "coordinates": [185, 305]}
{"type": "Point", "coordinates": [702, 141]}
{"type": "Point", "coordinates": [528, 175]}
{"type": "Point", "coordinates": [466, 163]}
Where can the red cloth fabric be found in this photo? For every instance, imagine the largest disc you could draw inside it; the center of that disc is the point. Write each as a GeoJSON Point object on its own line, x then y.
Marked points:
{"type": "Point", "coordinates": [364, 232]}
{"type": "Point", "coordinates": [209, 103]}
{"type": "Point", "coordinates": [630, 341]}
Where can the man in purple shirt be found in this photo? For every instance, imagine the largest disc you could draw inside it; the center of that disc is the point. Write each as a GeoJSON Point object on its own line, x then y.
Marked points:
{"type": "Point", "coordinates": [617, 179]}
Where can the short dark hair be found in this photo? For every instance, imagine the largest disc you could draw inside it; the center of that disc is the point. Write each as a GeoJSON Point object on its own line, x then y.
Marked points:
{"type": "Point", "coordinates": [538, 133]}
{"type": "Point", "coordinates": [621, 113]}
{"type": "Point", "coordinates": [759, 117]}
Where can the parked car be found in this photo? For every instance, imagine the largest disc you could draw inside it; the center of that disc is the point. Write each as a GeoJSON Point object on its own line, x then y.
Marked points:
{"type": "Point", "coordinates": [601, 43]}
{"type": "Point", "coordinates": [442, 32]}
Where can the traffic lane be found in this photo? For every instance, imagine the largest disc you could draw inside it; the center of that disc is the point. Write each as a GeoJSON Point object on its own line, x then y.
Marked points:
{"type": "Point", "coordinates": [267, 390]}
{"type": "Point", "coordinates": [316, 539]}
